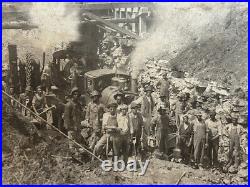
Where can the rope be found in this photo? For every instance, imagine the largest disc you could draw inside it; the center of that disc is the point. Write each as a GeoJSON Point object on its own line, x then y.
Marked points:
{"type": "Point", "coordinates": [52, 126]}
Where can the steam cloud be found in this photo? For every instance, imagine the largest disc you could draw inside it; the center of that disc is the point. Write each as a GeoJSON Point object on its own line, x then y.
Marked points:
{"type": "Point", "coordinates": [176, 25]}
{"type": "Point", "coordinates": [55, 24]}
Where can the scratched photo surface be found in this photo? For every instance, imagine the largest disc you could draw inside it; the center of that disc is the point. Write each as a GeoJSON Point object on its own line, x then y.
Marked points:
{"type": "Point", "coordinates": [124, 93]}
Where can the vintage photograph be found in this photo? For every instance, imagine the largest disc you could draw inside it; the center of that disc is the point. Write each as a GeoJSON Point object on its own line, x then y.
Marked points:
{"type": "Point", "coordinates": [125, 93]}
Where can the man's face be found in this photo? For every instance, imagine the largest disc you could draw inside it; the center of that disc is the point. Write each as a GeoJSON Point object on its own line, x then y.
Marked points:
{"type": "Point", "coordinates": [134, 110]}
{"type": "Point", "coordinates": [163, 99]}
{"type": "Point", "coordinates": [75, 95]}
{"type": "Point", "coordinates": [185, 119]}
{"type": "Point", "coordinates": [112, 110]}
{"type": "Point", "coordinates": [39, 91]}
{"type": "Point", "coordinates": [162, 112]}
{"type": "Point", "coordinates": [119, 100]}
{"type": "Point", "coordinates": [95, 98]}
{"type": "Point", "coordinates": [11, 90]}
{"type": "Point", "coordinates": [212, 116]}
{"type": "Point", "coordinates": [124, 112]}
{"type": "Point", "coordinates": [199, 117]}
{"type": "Point", "coordinates": [148, 93]}
{"type": "Point", "coordinates": [234, 121]}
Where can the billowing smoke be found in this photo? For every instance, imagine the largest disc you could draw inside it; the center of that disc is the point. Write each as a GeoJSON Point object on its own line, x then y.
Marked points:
{"type": "Point", "coordinates": [56, 24]}
{"type": "Point", "coordinates": [177, 25]}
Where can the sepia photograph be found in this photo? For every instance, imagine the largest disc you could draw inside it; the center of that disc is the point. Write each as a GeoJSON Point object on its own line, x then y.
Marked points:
{"type": "Point", "coordinates": [125, 93]}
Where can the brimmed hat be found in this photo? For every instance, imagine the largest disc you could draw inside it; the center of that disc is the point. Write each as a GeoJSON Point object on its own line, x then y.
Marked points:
{"type": "Point", "coordinates": [133, 105]}
{"type": "Point", "coordinates": [95, 93]}
{"type": "Point", "coordinates": [162, 107]}
{"type": "Point", "coordinates": [119, 94]}
{"type": "Point", "coordinates": [54, 88]}
{"type": "Point", "coordinates": [112, 105]}
{"type": "Point", "coordinates": [28, 88]}
{"type": "Point", "coordinates": [148, 88]}
{"type": "Point", "coordinates": [75, 89]}
{"type": "Point", "coordinates": [124, 107]}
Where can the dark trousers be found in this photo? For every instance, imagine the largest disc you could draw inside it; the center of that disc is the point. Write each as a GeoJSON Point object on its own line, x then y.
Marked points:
{"type": "Point", "coordinates": [213, 148]}
{"type": "Point", "coordinates": [234, 150]}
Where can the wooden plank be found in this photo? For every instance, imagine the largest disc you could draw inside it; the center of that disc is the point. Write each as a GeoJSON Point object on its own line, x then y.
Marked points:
{"type": "Point", "coordinates": [110, 24]}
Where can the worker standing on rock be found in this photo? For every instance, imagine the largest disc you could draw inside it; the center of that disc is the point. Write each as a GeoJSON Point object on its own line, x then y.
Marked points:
{"type": "Point", "coordinates": [234, 132]}
{"type": "Point", "coordinates": [180, 106]}
{"type": "Point", "coordinates": [200, 142]}
{"type": "Point", "coordinates": [73, 116]}
{"type": "Point", "coordinates": [160, 126]}
{"type": "Point", "coordinates": [164, 86]}
{"type": "Point", "coordinates": [94, 115]}
{"type": "Point", "coordinates": [214, 133]}
{"type": "Point", "coordinates": [147, 107]}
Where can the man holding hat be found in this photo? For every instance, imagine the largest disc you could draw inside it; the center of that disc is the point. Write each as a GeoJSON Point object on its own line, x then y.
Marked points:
{"type": "Point", "coordinates": [26, 99]}
{"type": "Point", "coordinates": [94, 115]}
{"type": "Point", "coordinates": [214, 133]}
{"type": "Point", "coordinates": [73, 116]}
{"type": "Point", "coordinates": [160, 125]}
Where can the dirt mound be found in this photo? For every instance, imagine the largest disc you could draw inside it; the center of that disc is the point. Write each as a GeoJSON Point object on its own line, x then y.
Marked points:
{"type": "Point", "coordinates": [223, 57]}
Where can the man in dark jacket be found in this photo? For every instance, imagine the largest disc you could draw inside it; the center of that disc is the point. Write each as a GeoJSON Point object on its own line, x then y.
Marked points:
{"type": "Point", "coordinates": [186, 138]}
{"type": "Point", "coordinates": [73, 116]}
{"type": "Point", "coordinates": [160, 125]}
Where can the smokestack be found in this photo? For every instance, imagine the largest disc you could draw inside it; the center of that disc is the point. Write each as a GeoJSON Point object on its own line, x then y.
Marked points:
{"type": "Point", "coordinates": [134, 85]}
{"type": "Point", "coordinates": [13, 74]}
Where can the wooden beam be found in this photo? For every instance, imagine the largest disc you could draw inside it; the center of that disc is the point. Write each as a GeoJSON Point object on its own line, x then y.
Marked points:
{"type": "Point", "coordinates": [110, 24]}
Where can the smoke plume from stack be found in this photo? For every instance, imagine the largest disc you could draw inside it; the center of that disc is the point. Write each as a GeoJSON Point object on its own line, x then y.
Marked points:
{"type": "Point", "coordinates": [56, 24]}
{"type": "Point", "coordinates": [177, 25]}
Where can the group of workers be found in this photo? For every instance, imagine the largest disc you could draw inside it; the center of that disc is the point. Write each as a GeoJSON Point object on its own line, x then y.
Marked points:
{"type": "Point", "coordinates": [127, 128]}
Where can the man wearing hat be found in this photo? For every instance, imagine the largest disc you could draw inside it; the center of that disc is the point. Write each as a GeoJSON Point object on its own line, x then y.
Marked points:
{"type": "Point", "coordinates": [110, 132]}
{"type": "Point", "coordinates": [163, 102]}
{"type": "Point", "coordinates": [186, 138]}
{"type": "Point", "coordinates": [73, 116]}
{"type": "Point", "coordinates": [135, 125]}
{"type": "Point", "coordinates": [94, 115]}
{"type": "Point", "coordinates": [26, 99]}
{"type": "Point", "coordinates": [53, 99]}
{"type": "Point", "coordinates": [39, 102]}
{"type": "Point", "coordinates": [164, 86]}
{"type": "Point", "coordinates": [160, 126]}
{"type": "Point", "coordinates": [179, 109]}
{"type": "Point", "coordinates": [123, 125]}
{"type": "Point", "coordinates": [119, 97]}
{"type": "Point", "coordinates": [147, 107]}
{"type": "Point", "coordinates": [200, 140]}
{"type": "Point", "coordinates": [234, 132]}
{"type": "Point", "coordinates": [214, 133]}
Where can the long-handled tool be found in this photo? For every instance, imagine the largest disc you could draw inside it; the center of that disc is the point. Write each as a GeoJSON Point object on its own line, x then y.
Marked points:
{"type": "Point", "coordinates": [46, 110]}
